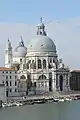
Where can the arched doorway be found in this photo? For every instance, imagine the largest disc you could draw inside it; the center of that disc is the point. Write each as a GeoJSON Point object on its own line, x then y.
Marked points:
{"type": "Point", "coordinates": [61, 82]}
{"type": "Point", "coordinates": [23, 77]}
{"type": "Point", "coordinates": [29, 82]}
{"type": "Point", "coordinates": [41, 83]}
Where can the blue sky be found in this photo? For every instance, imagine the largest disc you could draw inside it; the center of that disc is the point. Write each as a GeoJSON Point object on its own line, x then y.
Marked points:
{"type": "Point", "coordinates": [29, 11]}
{"type": "Point", "coordinates": [19, 18]}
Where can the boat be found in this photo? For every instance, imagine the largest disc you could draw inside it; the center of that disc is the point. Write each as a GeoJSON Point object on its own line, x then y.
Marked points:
{"type": "Point", "coordinates": [55, 100]}
{"type": "Point", "coordinates": [39, 102]}
{"type": "Point", "coordinates": [75, 98]}
{"type": "Point", "coordinates": [61, 100]}
{"type": "Point", "coordinates": [9, 104]}
{"type": "Point", "coordinates": [18, 104]}
{"type": "Point", "coordinates": [68, 99]}
{"type": "Point", "coordinates": [4, 105]}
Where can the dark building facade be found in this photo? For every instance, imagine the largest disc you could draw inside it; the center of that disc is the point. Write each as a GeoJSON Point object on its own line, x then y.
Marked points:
{"type": "Point", "coordinates": [75, 80]}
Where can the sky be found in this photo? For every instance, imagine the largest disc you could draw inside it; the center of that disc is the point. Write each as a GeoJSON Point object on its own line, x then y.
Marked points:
{"type": "Point", "coordinates": [62, 20]}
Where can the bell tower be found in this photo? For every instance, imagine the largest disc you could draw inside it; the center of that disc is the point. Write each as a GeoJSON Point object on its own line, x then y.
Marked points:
{"type": "Point", "coordinates": [8, 54]}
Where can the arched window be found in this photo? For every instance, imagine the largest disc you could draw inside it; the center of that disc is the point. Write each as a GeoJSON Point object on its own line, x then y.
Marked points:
{"type": "Point", "coordinates": [21, 60]}
{"type": "Point", "coordinates": [32, 61]}
{"type": "Point", "coordinates": [22, 77]}
{"type": "Point", "coordinates": [33, 64]}
{"type": "Point", "coordinates": [29, 61]}
{"type": "Point", "coordinates": [28, 64]}
{"type": "Point", "coordinates": [39, 64]}
{"type": "Point", "coordinates": [53, 61]}
{"type": "Point", "coordinates": [42, 77]}
{"type": "Point", "coordinates": [44, 64]}
{"type": "Point", "coordinates": [50, 60]}
{"type": "Point", "coordinates": [6, 83]}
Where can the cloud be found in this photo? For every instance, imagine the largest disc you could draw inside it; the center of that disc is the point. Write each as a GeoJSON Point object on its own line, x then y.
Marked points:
{"type": "Point", "coordinates": [65, 34]}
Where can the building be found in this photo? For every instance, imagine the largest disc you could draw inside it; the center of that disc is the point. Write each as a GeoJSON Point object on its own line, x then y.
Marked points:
{"type": "Point", "coordinates": [75, 80]}
{"type": "Point", "coordinates": [35, 67]}
{"type": "Point", "coordinates": [2, 89]}
{"type": "Point", "coordinates": [8, 76]}
{"type": "Point", "coordinates": [2, 92]}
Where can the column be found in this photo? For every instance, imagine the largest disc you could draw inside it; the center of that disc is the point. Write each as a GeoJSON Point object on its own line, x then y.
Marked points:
{"type": "Point", "coordinates": [58, 86]}
{"type": "Point", "coordinates": [64, 81]}
{"type": "Point", "coordinates": [54, 81]}
{"type": "Point", "coordinates": [36, 63]}
{"type": "Point", "coordinates": [47, 61]}
{"type": "Point", "coordinates": [69, 82]}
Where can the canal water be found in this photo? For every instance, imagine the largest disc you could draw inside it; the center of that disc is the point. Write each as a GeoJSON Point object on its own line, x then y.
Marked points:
{"type": "Point", "coordinates": [51, 111]}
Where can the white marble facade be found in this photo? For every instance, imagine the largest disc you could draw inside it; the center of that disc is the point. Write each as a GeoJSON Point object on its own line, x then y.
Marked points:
{"type": "Point", "coordinates": [37, 65]}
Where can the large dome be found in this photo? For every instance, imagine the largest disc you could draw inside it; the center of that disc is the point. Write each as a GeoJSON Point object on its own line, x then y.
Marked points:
{"type": "Point", "coordinates": [20, 50]}
{"type": "Point", "coordinates": [41, 43]}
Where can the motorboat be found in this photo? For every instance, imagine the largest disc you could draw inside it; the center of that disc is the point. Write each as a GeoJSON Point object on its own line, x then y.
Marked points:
{"type": "Point", "coordinates": [18, 104]}
{"type": "Point", "coordinates": [39, 102]}
{"type": "Point", "coordinates": [9, 104]}
{"type": "Point", "coordinates": [4, 105]}
{"type": "Point", "coordinates": [55, 100]}
{"type": "Point", "coordinates": [68, 99]}
{"type": "Point", "coordinates": [61, 100]}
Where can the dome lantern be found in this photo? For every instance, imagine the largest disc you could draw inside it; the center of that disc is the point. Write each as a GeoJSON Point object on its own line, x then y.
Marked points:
{"type": "Point", "coordinates": [41, 42]}
{"type": "Point", "coordinates": [41, 28]}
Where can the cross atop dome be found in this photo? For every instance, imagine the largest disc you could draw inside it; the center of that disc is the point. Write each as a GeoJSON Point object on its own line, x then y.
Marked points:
{"type": "Point", "coordinates": [41, 28]}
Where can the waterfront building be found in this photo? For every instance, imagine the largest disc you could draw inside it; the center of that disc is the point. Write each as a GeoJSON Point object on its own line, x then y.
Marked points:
{"type": "Point", "coordinates": [2, 93]}
{"type": "Point", "coordinates": [2, 89]}
{"type": "Point", "coordinates": [35, 67]}
{"type": "Point", "coordinates": [8, 76]}
{"type": "Point", "coordinates": [75, 80]}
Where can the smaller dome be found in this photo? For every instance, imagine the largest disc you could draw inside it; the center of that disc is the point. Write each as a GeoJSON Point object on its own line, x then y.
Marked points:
{"type": "Point", "coordinates": [20, 50]}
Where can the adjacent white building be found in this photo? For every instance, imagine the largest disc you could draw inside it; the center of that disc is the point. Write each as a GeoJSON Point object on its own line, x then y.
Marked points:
{"type": "Point", "coordinates": [8, 77]}
{"type": "Point", "coordinates": [35, 67]}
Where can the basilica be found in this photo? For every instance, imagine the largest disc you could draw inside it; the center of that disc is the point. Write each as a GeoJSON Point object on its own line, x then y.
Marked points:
{"type": "Point", "coordinates": [36, 66]}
